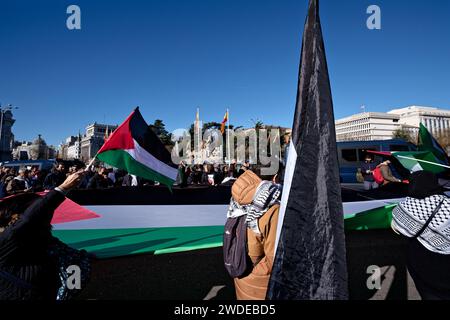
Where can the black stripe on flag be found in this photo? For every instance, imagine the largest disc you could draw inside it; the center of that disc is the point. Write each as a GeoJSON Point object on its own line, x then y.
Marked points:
{"type": "Point", "coordinates": [147, 139]}
{"type": "Point", "coordinates": [310, 261]}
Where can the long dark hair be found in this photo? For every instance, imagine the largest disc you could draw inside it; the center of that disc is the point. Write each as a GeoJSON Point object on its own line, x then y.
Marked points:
{"type": "Point", "coordinates": [15, 205]}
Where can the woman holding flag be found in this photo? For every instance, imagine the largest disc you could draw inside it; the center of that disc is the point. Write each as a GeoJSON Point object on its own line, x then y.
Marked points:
{"type": "Point", "coordinates": [30, 257]}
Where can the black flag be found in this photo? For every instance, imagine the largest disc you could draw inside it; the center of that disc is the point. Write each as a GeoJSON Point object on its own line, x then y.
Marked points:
{"type": "Point", "coordinates": [310, 262]}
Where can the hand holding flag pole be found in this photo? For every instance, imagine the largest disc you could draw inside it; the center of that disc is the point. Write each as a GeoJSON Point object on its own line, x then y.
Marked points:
{"type": "Point", "coordinates": [91, 163]}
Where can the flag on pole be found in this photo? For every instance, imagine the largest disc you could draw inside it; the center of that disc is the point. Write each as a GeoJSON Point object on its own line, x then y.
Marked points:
{"type": "Point", "coordinates": [106, 136]}
{"type": "Point", "coordinates": [134, 147]}
{"type": "Point", "coordinates": [224, 121]}
{"type": "Point", "coordinates": [310, 260]}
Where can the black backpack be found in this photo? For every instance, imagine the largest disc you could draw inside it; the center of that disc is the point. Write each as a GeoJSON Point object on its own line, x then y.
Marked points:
{"type": "Point", "coordinates": [235, 251]}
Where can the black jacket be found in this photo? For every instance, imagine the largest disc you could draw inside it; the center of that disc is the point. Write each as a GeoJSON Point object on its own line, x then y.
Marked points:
{"type": "Point", "coordinates": [99, 182]}
{"type": "Point", "coordinates": [54, 179]}
{"type": "Point", "coordinates": [430, 271]}
{"type": "Point", "coordinates": [26, 270]}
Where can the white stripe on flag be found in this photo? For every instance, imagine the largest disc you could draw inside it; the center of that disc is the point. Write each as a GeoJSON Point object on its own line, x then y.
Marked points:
{"type": "Point", "coordinates": [416, 168]}
{"type": "Point", "coordinates": [288, 175]}
{"type": "Point", "coordinates": [150, 216]}
{"type": "Point", "coordinates": [424, 161]}
{"type": "Point", "coordinates": [143, 156]}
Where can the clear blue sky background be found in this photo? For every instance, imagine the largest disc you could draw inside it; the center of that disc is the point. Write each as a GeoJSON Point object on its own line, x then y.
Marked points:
{"type": "Point", "coordinates": [170, 56]}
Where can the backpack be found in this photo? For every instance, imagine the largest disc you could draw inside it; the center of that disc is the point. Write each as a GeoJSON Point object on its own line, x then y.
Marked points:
{"type": "Point", "coordinates": [359, 176]}
{"type": "Point", "coordinates": [378, 176]}
{"type": "Point", "coordinates": [235, 252]}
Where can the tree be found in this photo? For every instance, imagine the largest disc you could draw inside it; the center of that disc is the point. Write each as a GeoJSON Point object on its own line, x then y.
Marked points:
{"type": "Point", "coordinates": [444, 139]}
{"type": "Point", "coordinates": [159, 128]}
{"type": "Point", "coordinates": [259, 125]}
{"type": "Point", "coordinates": [404, 135]}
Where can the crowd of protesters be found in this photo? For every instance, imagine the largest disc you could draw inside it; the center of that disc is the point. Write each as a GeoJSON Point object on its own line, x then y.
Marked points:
{"type": "Point", "coordinates": [29, 180]}
{"type": "Point", "coordinates": [32, 179]}
{"type": "Point", "coordinates": [210, 174]}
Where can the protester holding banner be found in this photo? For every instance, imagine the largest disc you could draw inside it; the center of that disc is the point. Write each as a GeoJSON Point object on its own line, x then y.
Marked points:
{"type": "Point", "coordinates": [28, 268]}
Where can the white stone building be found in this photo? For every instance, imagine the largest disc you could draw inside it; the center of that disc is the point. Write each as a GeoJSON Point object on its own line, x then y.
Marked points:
{"type": "Point", "coordinates": [36, 150]}
{"type": "Point", "coordinates": [74, 150]}
{"type": "Point", "coordinates": [381, 126]}
{"type": "Point", "coordinates": [367, 126]}
{"type": "Point", "coordinates": [436, 120]}
{"type": "Point", "coordinates": [94, 139]}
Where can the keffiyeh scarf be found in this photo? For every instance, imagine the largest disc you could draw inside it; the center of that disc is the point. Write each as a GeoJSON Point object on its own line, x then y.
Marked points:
{"type": "Point", "coordinates": [267, 194]}
{"type": "Point", "coordinates": [411, 215]}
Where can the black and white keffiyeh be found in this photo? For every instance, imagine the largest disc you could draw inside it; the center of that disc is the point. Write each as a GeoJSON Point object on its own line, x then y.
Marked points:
{"type": "Point", "coordinates": [411, 215]}
{"type": "Point", "coordinates": [267, 194]}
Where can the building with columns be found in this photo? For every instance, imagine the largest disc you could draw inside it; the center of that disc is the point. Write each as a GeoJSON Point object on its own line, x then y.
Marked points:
{"type": "Point", "coordinates": [367, 127]}
{"type": "Point", "coordinates": [436, 120]}
{"type": "Point", "coordinates": [381, 126]}
{"type": "Point", "coordinates": [93, 140]}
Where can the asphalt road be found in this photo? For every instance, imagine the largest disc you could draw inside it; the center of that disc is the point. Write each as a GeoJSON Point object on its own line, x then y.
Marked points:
{"type": "Point", "coordinates": [200, 275]}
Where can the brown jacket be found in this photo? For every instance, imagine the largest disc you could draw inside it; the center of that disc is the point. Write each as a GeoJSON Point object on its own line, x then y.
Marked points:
{"type": "Point", "coordinates": [387, 174]}
{"type": "Point", "coordinates": [261, 248]}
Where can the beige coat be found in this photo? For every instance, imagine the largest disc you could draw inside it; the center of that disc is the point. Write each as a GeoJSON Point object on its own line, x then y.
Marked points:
{"type": "Point", "coordinates": [261, 248]}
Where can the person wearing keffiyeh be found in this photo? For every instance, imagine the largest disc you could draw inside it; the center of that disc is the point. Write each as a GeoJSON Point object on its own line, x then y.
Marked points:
{"type": "Point", "coordinates": [259, 201]}
{"type": "Point", "coordinates": [424, 218]}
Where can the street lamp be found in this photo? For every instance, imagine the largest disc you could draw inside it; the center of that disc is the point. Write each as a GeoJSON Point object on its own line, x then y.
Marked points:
{"type": "Point", "coordinates": [3, 110]}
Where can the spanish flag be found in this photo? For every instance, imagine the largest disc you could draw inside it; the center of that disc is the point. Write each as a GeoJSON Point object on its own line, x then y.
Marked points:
{"type": "Point", "coordinates": [224, 121]}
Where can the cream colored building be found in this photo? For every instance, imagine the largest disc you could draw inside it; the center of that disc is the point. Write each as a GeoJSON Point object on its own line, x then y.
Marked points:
{"type": "Point", "coordinates": [94, 139]}
{"type": "Point", "coordinates": [367, 126]}
{"type": "Point", "coordinates": [381, 126]}
{"type": "Point", "coordinates": [436, 120]}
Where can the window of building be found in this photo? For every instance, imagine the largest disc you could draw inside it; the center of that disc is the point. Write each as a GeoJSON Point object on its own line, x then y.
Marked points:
{"type": "Point", "coordinates": [398, 148]}
{"type": "Point", "coordinates": [349, 155]}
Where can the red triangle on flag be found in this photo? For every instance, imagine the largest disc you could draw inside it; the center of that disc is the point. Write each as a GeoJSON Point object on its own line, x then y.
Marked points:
{"type": "Point", "coordinates": [70, 211]}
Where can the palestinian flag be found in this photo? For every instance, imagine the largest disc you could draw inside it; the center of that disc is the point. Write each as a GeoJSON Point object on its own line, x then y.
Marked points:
{"type": "Point", "coordinates": [134, 147]}
{"type": "Point", "coordinates": [420, 161]}
{"type": "Point", "coordinates": [416, 160]}
{"type": "Point", "coordinates": [428, 143]}
{"type": "Point", "coordinates": [429, 157]}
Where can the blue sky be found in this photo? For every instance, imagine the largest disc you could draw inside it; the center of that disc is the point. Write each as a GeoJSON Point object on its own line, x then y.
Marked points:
{"type": "Point", "coordinates": [170, 56]}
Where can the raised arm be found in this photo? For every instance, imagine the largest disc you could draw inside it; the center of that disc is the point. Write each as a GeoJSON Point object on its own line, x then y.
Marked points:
{"type": "Point", "coordinates": [40, 213]}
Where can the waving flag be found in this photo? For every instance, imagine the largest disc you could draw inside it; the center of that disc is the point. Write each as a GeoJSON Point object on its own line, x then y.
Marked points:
{"type": "Point", "coordinates": [430, 157]}
{"type": "Point", "coordinates": [428, 143]}
{"type": "Point", "coordinates": [414, 161]}
{"type": "Point", "coordinates": [224, 121]}
{"type": "Point", "coordinates": [310, 261]}
{"type": "Point", "coordinates": [136, 148]}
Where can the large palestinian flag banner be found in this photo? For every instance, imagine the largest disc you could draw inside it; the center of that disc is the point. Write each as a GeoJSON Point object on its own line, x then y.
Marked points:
{"type": "Point", "coordinates": [128, 221]}
{"type": "Point", "coordinates": [135, 148]}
